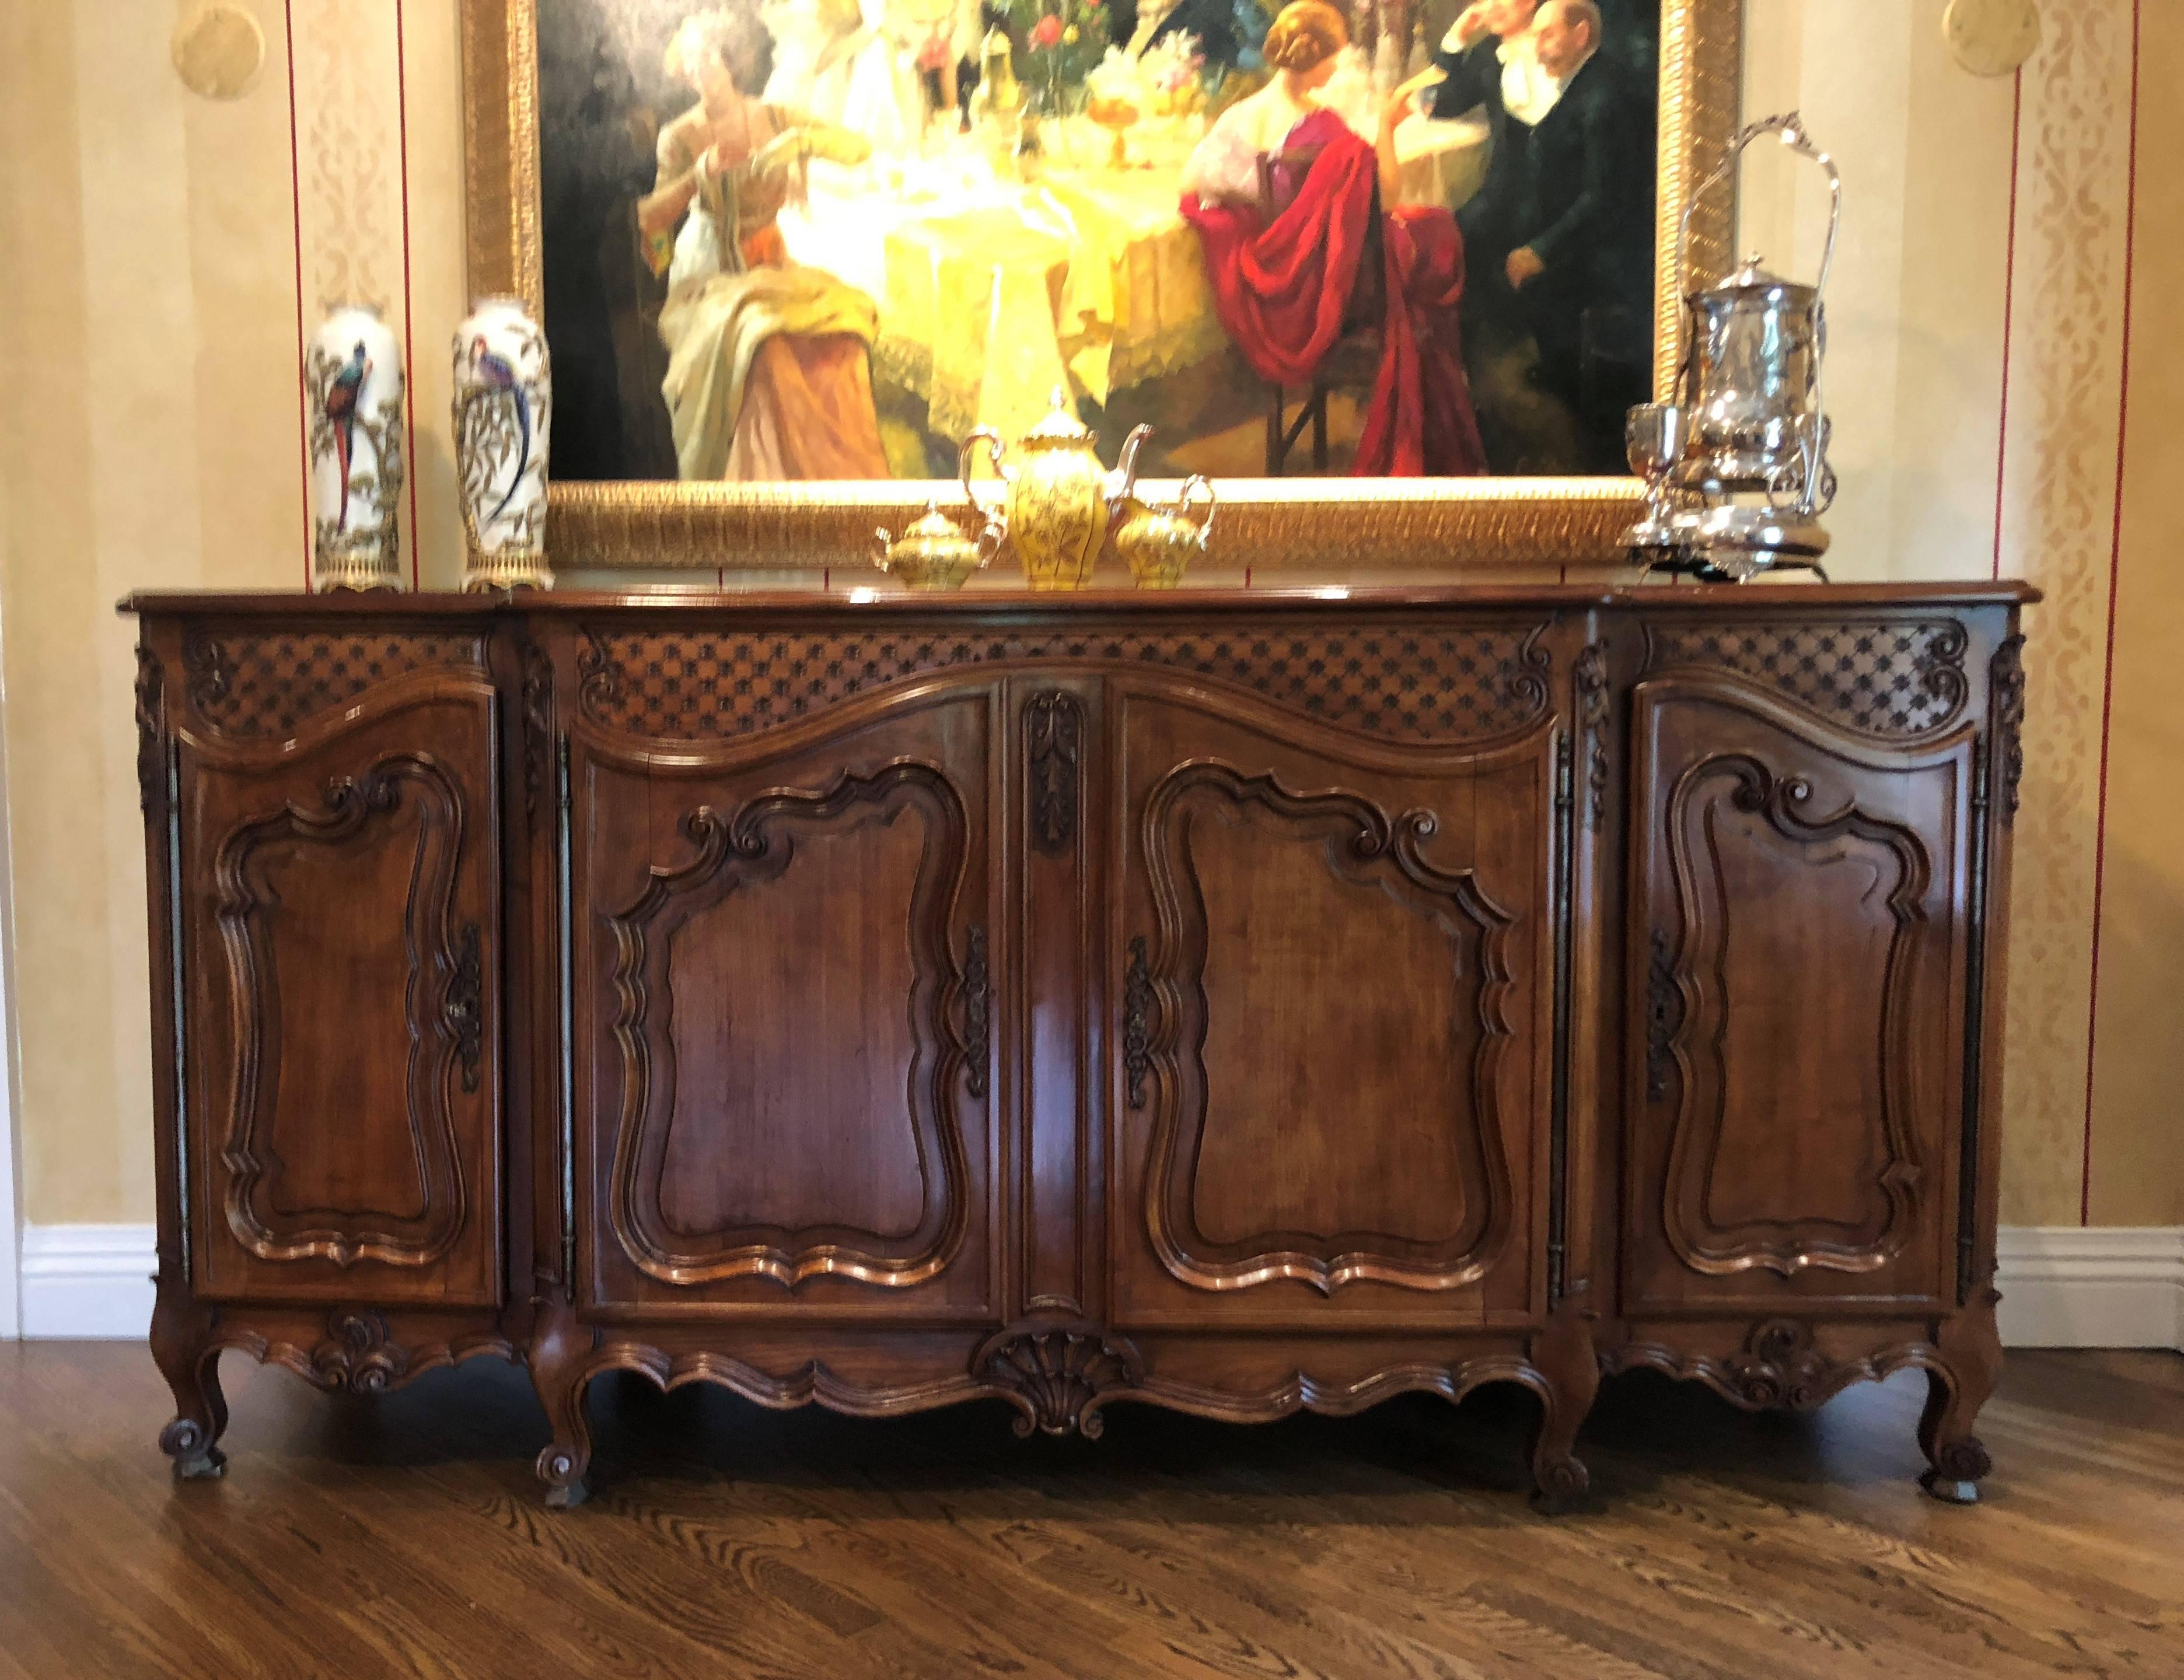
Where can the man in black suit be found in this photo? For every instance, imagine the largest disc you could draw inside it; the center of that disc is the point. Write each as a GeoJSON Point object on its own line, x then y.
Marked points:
{"type": "Point", "coordinates": [1490, 47]}
{"type": "Point", "coordinates": [1580, 227]}
{"type": "Point", "coordinates": [1558, 238]}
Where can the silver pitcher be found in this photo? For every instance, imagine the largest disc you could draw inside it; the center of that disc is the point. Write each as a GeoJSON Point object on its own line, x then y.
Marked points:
{"type": "Point", "coordinates": [1736, 467]}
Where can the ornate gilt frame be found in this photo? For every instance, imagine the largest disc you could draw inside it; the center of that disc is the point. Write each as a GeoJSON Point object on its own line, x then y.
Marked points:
{"type": "Point", "coordinates": [1328, 527]}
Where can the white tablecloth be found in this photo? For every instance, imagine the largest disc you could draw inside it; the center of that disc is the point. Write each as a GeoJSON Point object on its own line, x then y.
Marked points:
{"type": "Point", "coordinates": [993, 289]}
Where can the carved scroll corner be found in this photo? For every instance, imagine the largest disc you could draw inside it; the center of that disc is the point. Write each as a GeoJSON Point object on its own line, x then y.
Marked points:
{"type": "Point", "coordinates": [599, 677]}
{"type": "Point", "coordinates": [206, 671]}
{"type": "Point", "coordinates": [358, 1354]}
{"type": "Point", "coordinates": [1940, 667]}
{"type": "Point", "coordinates": [1527, 677]}
{"type": "Point", "coordinates": [1782, 1367]}
{"type": "Point", "coordinates": [1591, 675]}
{"type": "Point", "coordinates": [537, 696]}
{"type": "Point", "coordinates": [1059, 1376]}
{"type": "Point", "coordinates": [2006, 699]}
{"type": "Point", "coordinates": [151, 731]}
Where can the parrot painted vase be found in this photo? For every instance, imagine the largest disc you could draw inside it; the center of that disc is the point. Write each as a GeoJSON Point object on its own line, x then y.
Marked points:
{"type": "Point", "coordinates": [503, 413]}
{"type": "Point", "coordinates": [353, 372]}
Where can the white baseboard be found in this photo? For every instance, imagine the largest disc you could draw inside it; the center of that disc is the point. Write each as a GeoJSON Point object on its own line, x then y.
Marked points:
{"type": "Point", "coordinates": [2094, 1286]}
{"type": "Point", "coordinates": [2062, 1286]}
{"type": "Point", "coordinates": [89, 1282]}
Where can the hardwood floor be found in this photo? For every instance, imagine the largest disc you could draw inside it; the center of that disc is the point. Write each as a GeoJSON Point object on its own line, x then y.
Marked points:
{"type": "Point", "coordinates": [405, 1536]}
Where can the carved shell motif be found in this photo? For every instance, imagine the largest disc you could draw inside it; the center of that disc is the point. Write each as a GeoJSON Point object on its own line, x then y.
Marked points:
{"type": "Point", "coordinates": [1056, 1375]}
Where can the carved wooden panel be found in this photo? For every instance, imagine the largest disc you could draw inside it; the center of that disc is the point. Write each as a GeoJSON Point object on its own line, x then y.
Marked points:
{"type": "Point", "coordinates": [1327, 1054]}
{"type": "Point", "coordinates": [1895, 677]}
{"type": "Point", "coordinates": [1450, 684]}
{"type": "Point", "coordinates": [1798, 960]}
{"type": "Point", "coordinates": [795, 1005]}
{"type": "Point", "coordinates": [249, 685]}
{"type": "Point", "coordinates": [1053, 730]}
{"type": "Point", "coordinates": [1049, 1015]}
{"type": "Point", "coordinates": [352, 886]}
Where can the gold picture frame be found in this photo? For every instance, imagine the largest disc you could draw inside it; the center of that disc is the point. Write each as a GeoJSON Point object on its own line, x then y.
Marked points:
{"type": "Point", "coordinates": [1329, 527]}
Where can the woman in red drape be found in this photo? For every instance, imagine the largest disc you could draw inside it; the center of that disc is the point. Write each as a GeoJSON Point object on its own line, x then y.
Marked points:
{"type": "Point", "coordinates": [1284, 271]}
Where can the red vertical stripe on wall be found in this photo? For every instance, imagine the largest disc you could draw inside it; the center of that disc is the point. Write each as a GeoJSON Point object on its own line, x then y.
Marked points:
{"type": "Point", "coordinates": [408, 313]}
{"type": "Point", "coordinates": [2107, 674]}
{"type": "Point", "coordinates": [296, 207]}
{"type": "Point", "coordinates": [2009, 310]}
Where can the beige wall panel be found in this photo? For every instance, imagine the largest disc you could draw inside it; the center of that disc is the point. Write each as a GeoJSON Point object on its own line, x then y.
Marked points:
{"type": "Point", "coordinates": [2137, 1175]}
{"type": "Point", "coordinates": [1915, 303]}
{"type": "Point", "coordinates": [101, 501]}
{"type": "Point", "coordinates": [2065, 386]}
{"type": "Point", "coordinates": [52, 776]}
{"type": "Point", "coordinates": [350, 216]}
{"type": "Point", "coordinates": [1853, 79]}
{"type": "Point", "coordinates": [243, 262]}
{"type": "Point", "coordinates": [432, 55]}
{"type": "Point", "coordinates": [145, 517]}
{"type": "Point", "coordinates": [1945, 427]}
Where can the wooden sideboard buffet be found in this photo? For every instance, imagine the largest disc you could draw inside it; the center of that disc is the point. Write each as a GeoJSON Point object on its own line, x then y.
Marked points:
{"type": "Point", "coordinates": [1237, 1001]}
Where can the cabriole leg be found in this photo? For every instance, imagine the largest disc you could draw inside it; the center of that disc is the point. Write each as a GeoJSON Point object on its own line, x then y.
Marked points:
{"type": "Point", "coordinates": [1563, 1355]}
{"type": "Point", "coordinates": [559, 1351]}
{"type": "Point", "coordinates": [1971, 1352]}
{"type": "Point", "coordinates": [183, 1348]}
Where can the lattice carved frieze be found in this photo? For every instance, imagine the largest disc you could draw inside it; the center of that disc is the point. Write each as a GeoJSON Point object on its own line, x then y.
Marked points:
{"type": "Point", "coordinates": [1460, 685]}
{"type": "Point", "coordinates": [255, 685]}
{"type": "Point", "coordinates": [1896, 677]}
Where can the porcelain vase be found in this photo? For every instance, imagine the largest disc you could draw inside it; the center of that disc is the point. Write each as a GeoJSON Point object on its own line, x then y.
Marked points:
{"type": "Point", "coordinates": [353, 370]}
{"type": "Point", "coordinates": [504, 411]}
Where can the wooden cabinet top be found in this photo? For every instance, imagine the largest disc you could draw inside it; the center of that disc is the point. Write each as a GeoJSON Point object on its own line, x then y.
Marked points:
{"type": "Point", "coordinates": [1003, 606]}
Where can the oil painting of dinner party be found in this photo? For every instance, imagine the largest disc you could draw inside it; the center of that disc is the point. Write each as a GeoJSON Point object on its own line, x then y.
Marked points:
{"type": "Point", "coordinates": [830, 240]}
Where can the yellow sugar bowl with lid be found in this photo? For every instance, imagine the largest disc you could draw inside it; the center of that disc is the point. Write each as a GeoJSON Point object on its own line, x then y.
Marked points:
{"type": "Point", "coordinates": [933, 552]}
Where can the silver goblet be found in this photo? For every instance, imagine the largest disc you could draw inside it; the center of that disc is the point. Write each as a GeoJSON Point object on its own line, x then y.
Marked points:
{"type": "Point", "coordinates": [1653, 440]}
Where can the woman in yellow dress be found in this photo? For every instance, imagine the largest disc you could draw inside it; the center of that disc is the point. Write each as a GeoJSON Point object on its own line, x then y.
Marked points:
{"type": "Point", "coordinates": [769, 368]}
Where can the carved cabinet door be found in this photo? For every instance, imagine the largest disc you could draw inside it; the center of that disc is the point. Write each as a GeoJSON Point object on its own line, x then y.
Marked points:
{"type": "Point", "coordinates": [341, 951]}
{"type": "Point", "coordinates": [1331, 973]}
{"type": "Point", "coordinates": [1797, 973]}
{"type": "Point", "coordinates": [784, 950]}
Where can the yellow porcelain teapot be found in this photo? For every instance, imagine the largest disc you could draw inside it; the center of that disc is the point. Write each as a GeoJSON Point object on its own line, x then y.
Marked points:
{"type": "Point", "coordinates": [1056, 507]}
{"type": "Point", "coordinates": [1157, 542]}
{"type": "Point", "coordinates": [933, 554]}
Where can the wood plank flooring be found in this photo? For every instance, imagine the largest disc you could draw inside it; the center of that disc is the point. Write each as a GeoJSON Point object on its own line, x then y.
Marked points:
{"type": "Point", "coordinates": [405, 1537]}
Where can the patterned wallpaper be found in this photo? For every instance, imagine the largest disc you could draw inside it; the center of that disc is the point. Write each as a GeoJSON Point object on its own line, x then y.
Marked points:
{"type": "Point", "coordinates": [2060, 485]}
{"type": "Point", "coordinates": [336, 177]}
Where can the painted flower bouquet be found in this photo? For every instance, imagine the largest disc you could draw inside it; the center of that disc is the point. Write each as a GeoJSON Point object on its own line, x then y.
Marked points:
{"type": "Point", "coordinates": [1062, 41]}
{"type": "Point", "coordinates": [1171, 72]}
